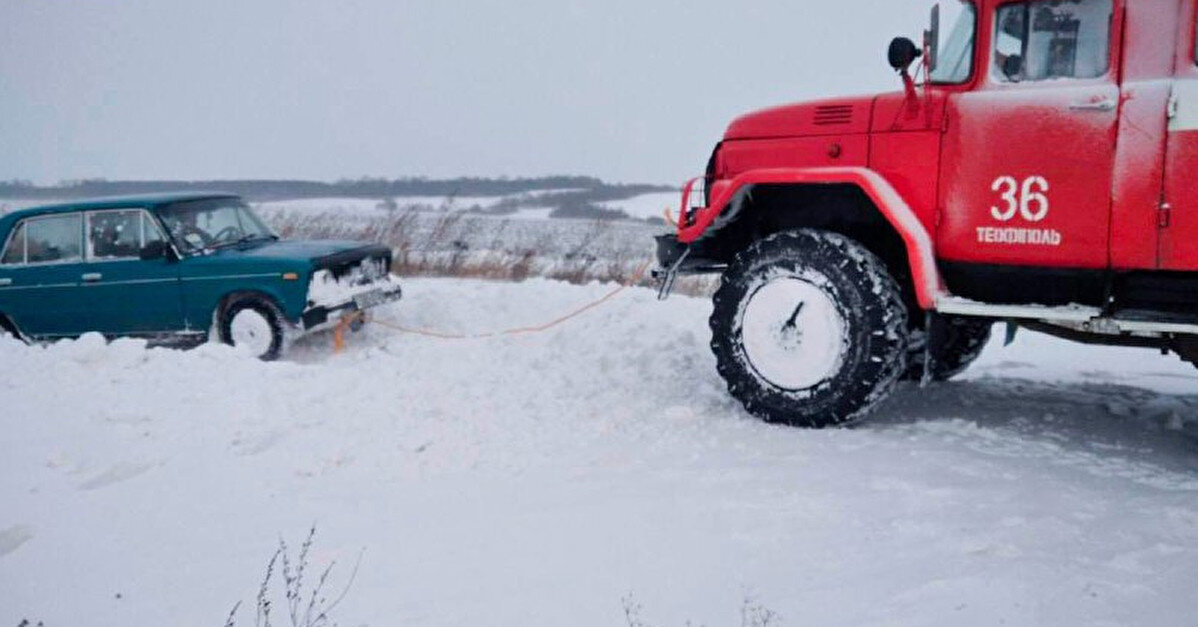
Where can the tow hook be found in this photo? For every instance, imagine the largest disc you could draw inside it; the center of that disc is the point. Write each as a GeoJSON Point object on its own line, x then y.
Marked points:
{"type": "Point", "coordinates": [668, 276]}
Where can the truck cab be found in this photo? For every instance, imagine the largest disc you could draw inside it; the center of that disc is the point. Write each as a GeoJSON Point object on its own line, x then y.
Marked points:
{"type": "Point", "coordinates": [1034, 168]}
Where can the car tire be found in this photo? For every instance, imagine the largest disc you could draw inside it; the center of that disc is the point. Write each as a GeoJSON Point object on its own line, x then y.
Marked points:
{"type": "Point", "coordinates": [955, 344]}
{"type": "Point", "coordinates": [253, 323]}
{"type": "Point", "coordinates": [809, 329]}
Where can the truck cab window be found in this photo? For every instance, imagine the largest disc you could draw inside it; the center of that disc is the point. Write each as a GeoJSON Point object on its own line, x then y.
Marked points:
{"type": "Point", "coordinates": [1049, 39]}
{"type": "Point", "coordinates": [954, 63]}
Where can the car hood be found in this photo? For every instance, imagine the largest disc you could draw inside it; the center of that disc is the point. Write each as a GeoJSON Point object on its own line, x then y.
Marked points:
{"type": "Point", "coordinates": [321, 253]}
{"type": "Point", "coordinates": [823, 117]}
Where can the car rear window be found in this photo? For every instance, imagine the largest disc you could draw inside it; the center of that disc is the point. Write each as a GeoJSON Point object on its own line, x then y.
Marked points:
{"type": "Point", "coordinates": [15, 251]}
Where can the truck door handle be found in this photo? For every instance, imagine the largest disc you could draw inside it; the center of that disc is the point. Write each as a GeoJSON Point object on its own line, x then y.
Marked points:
{"type": "Point", "coordinates": [91, 277]}
{"type": "Point", "coordinates": [1106, 104]}
{"type": "Point", "coordinates": [5, 282]}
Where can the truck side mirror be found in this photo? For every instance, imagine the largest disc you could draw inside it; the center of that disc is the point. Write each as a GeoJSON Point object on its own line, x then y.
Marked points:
{"type": "Point", "coordinates": [153, 250]}
{"type": "Point", "coordinates": [902, 53]}
{"type": "Point", "coordinates": [932, 39]}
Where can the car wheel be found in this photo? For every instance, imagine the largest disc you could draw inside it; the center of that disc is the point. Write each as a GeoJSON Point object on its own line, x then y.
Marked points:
{"type": "Point", "coordinates": [955, 344]}
{"type": "Point", "coordinates": [809, 329]}
{"type": "Point", "coordinates": [253, 324]}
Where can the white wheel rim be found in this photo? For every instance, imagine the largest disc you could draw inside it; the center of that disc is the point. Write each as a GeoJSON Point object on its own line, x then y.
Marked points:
{"type": "Point", "coordinates": [793, 334]}
{"type": "Point", "coordinates": [251, 332]}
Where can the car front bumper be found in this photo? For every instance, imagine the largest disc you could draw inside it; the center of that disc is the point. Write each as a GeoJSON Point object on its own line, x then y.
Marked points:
{"type": "Point", "coordinates": [369, 296]}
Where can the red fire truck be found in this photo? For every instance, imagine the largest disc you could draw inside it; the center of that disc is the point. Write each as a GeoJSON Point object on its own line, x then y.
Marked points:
{"type": "Point", "coordinates": [1039, 168]}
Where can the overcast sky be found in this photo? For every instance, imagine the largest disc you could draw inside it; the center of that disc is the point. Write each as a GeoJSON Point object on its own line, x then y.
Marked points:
{"type": "Point", "coordinates": [628, 90]}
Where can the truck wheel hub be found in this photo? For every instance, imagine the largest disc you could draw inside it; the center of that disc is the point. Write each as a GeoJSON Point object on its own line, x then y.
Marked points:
{"type": "Point", "coordinates": [793, 333]}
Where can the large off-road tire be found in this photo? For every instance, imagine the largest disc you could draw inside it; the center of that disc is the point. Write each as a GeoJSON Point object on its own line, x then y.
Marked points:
{"type": "Point", "coordinates": [252, 323]}
{"type": "Point", "coordinates": [955, 343]}
{"type": "Point", "coordinates": [1186, 347]}
{"type": "Point", "coordinates": [809, 329]}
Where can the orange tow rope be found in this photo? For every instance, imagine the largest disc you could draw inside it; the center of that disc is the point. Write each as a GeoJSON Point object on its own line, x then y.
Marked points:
{"type": "Point", "coordinates": [345, 322]}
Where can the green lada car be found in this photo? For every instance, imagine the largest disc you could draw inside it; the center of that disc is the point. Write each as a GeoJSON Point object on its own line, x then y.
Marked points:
{"type": "Point", "coordinates": [176, 269]}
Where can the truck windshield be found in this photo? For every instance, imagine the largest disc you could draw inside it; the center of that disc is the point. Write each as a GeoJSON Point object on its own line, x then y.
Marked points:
{"type": "Point", "coordinates": [955, 44]}
{"type": "Point", "coordinates": [205, 225]}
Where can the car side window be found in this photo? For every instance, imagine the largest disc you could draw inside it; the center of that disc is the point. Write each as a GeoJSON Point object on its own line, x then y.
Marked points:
{"type": "Point", "coordinates": [150, 231]}
{"type": "Point", "coordinates": [54, 239]}
{"type": "Point", "coordinates": [120, 234]}
{"type": "Point", "coordinates": [1052, 39]}
{"type": "Point", "coordinates": [114, 234]}
{"type": "Point", "coordinates": [14, 253]}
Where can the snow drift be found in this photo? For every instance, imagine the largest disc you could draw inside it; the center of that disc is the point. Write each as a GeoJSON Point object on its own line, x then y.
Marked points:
{"type": "Point", "coordinates": [538, 480]}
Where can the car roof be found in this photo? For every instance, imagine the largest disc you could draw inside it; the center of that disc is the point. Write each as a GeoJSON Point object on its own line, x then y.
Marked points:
{"type": "Point", "coordinates": [117, 202]}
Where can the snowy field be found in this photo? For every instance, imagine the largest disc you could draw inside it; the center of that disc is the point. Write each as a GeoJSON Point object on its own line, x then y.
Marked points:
{"type": "Point", "coordinates": [544, 480]}
{"type": "Point", "coordinates": [639, 207]}
{"type": "Point", "coordinates": [648, 205]}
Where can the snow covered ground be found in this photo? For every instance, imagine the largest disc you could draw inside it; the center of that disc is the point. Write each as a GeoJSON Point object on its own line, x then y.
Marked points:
{"type": "Point", "coordinates": [540, 480]}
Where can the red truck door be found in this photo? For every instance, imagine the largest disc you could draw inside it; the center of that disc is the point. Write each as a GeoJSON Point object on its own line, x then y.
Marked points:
{"type": "Point", "coordinates": [1178, 217]}
{"type": "Point", "coordinates": [1028, 155]}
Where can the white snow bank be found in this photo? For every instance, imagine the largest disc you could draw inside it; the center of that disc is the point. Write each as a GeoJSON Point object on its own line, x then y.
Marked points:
{"type": "Point", "coordinates": [648, 205]}
{"type": "Point", "coordinates": [536, 480]}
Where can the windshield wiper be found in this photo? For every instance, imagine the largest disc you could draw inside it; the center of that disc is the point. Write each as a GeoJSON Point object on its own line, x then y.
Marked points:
{"type": "Point", "coordinates": [234, 242]}
{"type": "Point", "coordinates": [244, 239]}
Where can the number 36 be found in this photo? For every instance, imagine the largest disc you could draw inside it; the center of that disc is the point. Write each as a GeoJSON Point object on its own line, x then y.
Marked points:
{"type": "Point", "coordinates": [1028, 200]}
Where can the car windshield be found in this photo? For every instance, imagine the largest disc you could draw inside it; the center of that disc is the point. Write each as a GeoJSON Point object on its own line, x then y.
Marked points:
{"type": "Point", "coordinates": [205, 225]}
{"type": "Point", "coordinates": [955, 45]}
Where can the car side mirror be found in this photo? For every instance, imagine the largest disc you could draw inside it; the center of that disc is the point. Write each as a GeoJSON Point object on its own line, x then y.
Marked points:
{"type": "Point", "coordinates": [902, 53]}
{"type": "Point", "coordinates": [154, 250]}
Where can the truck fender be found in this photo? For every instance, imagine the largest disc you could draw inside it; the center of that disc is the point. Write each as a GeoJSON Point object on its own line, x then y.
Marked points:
{"type": "Point", "coordinates": [920, 251]}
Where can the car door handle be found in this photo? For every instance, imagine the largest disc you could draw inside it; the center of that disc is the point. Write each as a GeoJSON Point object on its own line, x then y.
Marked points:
{"type": "Point", "coordinates": [91, 277]}
{"type": "Point", "coordinates": [1106, 104]}
{"type": "Point", "coordinates": [5, 282]}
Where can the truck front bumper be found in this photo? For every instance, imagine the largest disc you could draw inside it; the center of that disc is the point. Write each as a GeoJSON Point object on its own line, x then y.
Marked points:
{"type": "Point", "coordinates": [675, 259]}
{"type": "Point", "coordinates": [669, 251]}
